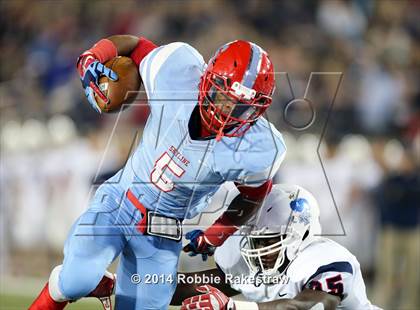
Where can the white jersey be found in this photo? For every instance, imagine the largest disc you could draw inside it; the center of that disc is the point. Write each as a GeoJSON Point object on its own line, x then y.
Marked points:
{"type": "Point", "coordinates": [322, 265]}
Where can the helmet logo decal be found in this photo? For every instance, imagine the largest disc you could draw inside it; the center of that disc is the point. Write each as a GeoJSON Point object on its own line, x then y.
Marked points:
{"type": "Point", "coordinates": [304, 215]}
{"type": "Point", "coordinates": [298, 204]}
{"type": "Point", "coordinates": [243, 92]}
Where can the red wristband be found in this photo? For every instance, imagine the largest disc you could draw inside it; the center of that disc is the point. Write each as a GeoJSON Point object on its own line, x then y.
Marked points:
{"type": "Point", "coordinates": [143, 48]}
{"type": "Point", "coordinates": [217, 233]}
{"type": "Point", "coordinates": [104, 50]}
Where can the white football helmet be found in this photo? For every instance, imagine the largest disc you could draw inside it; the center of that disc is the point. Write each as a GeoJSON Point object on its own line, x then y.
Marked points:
{"type": "Point", "coordinates": [285, 224]}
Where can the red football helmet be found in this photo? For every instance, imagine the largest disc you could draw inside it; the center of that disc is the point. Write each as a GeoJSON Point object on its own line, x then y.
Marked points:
{"type": "Point", "coordinates": [236, 88]}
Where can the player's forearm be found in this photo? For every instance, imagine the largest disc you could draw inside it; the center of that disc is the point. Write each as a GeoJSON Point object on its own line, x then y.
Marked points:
{"type": "Point", "coordinates": [124, 43]}
{"type": "Point", "coordinates": [249, 200]}
{"type": "Point", "coordinates": [106, 49]}
{"type": "Point", "coordinates": [237, 214]}
{"type": "Point", "coordinates": [292, 304]}
{"type": "Point", "coordinates": [241, 209]}
{"type": "Point", "coordinates": [305, 300]}
{"type": "Point", "coordinates": [285, 304]}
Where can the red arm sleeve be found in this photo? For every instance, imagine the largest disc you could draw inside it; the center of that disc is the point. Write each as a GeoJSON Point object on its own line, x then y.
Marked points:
{"type": "Point", "coordinates": [255, 193]}
{"type": "Point", "coordinates": [217, 233]}
{"type": "Point", "coordinates": [143, 48]}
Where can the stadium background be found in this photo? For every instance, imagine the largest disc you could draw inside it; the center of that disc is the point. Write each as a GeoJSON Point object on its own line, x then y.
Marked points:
{"type": "Point", "coordinates": [52, 143]}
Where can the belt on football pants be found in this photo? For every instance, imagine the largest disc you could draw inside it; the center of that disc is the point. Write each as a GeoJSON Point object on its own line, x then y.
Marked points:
{"type": "Point", "coordinates": [156, 224]}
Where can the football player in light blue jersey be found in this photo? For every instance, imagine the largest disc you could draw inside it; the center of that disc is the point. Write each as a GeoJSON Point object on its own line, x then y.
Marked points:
{"type": "Point", "coordinates": [205, 128]}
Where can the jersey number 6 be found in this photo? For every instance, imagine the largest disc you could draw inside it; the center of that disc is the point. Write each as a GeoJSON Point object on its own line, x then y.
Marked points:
{"type": "Point", "coordinates": [158, 176]}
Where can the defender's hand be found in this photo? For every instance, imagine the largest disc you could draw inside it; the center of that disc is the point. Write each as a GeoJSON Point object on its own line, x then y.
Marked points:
{"type": "Point", "coordinates": [198, 244]}
{"type": "Point", "coordinates": [90, 69]}
{"type": "Point", "coordinates": [211, 298]}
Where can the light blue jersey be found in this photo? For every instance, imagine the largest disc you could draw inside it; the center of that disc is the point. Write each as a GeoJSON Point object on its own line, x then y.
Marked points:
{"type": "Point", "coordinates": [169, 171]}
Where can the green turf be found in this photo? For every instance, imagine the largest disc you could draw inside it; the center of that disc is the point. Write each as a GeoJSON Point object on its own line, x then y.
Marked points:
{"type": "Point", "coordinates": [14, 302]}
{"type": "Point", "coordinates": [11, 302]}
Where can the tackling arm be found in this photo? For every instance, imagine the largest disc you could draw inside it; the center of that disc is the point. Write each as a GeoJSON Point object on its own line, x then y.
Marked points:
{"type": "Point", "coordinates": [240, 210]}
{"type": "Point", "coordinates": [246, 204]}
{"type": "Point", "coordinates": [305, 300]}
{"type": "Point", "coordinates": [213, 298]}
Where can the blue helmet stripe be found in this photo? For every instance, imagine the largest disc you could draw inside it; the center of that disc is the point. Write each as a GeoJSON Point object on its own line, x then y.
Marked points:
{"type": "Point", "coordinates": [252, 71]}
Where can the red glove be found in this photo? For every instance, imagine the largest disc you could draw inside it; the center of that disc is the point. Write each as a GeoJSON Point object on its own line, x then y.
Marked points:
{"type": "Point", "coordinates": [211, 299]}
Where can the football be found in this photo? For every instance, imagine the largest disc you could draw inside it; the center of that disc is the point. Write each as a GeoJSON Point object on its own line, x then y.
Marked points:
{"type": "Point", "coordinates": [123, 91]}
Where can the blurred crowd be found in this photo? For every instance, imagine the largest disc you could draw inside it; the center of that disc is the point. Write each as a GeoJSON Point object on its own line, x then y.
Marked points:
{"type": "Point", "coordinates": [354, 141]}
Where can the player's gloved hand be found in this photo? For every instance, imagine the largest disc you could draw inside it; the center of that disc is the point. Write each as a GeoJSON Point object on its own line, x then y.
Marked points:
{"type": "Point", "coordinates": [90, 69]}
{"type": "Point", "coordinates": [198, 244]}
{"type": "Point", "coordinates": [211, 298]}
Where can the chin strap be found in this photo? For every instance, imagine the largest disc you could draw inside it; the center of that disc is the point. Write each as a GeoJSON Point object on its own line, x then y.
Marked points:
{"type": "Point", "coordinates": [257, 274]}
{"type": "Point", "coordinates": [219, 134]}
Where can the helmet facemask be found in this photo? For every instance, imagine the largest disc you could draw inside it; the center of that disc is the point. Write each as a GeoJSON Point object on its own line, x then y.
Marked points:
{"type": "Point", "coordinates": [259, 250]}
{"type": "Point", "coordinates": [229, 110]}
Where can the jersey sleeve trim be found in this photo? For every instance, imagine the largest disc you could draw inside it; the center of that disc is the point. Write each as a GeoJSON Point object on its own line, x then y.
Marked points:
{"type": "Point", "coordinates": [333, 267]}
